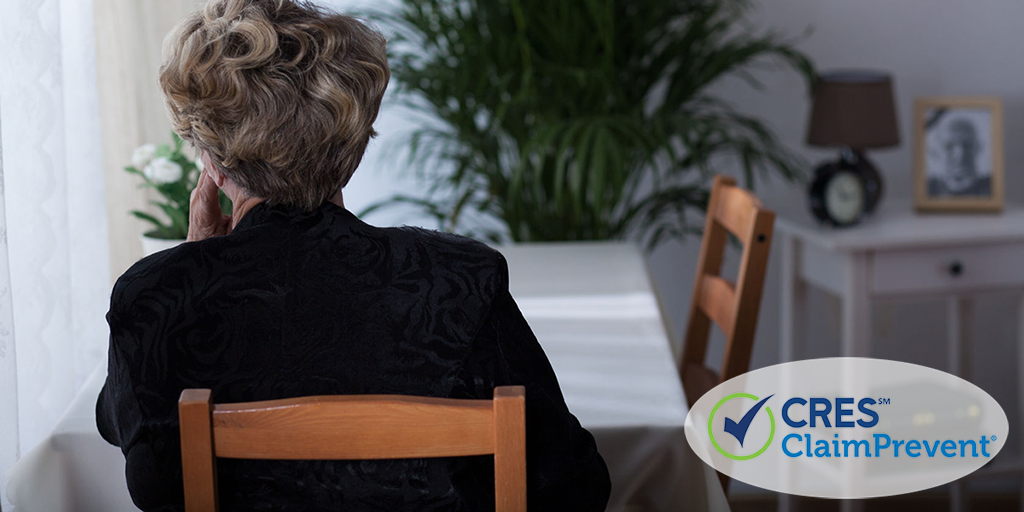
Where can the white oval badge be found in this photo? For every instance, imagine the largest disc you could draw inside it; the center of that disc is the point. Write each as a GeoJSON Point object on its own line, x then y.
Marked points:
{"type": "Point", "coordinates": [846, 428]}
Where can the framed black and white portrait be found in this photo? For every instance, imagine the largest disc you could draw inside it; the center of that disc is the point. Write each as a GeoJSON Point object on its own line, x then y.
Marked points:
{"type": "Point", "coordinates": [959, 154]}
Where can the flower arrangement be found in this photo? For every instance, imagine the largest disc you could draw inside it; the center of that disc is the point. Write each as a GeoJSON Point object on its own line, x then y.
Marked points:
{"type": "Point", "coordinates": [166, 169]}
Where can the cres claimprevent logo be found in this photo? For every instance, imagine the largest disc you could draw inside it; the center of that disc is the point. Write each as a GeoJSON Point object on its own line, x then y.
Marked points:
{"type": "Point", "coordinates": [847, 428]}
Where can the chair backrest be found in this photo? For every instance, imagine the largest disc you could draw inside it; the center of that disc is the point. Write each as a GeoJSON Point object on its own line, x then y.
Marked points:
{"type": "Point", "coordinates": [353, 427]}
{"type": "Point", "coordinates": [733, 307]}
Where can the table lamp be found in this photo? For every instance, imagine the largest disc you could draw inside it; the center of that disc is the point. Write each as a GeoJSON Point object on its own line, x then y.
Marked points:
{"type": "Point", "coordinates": [854, 111]}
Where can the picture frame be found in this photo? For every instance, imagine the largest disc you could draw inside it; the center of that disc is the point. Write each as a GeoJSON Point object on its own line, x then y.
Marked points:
{"type": "Point", "coordinates": [958, 153]}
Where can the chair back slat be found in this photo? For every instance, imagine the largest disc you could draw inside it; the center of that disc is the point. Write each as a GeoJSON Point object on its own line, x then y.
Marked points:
{"type": "Point", "coordinates": [340, 427]}
{"type": "Point", "coordinates": [363, 427]}
{"type": "Point", "coordinates": [718, 301]}
{"type": "Point", "coordinates": [736, 209]}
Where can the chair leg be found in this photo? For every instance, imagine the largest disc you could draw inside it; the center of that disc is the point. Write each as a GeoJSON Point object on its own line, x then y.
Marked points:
{"type": "Point", "coordinates": [787, 502]}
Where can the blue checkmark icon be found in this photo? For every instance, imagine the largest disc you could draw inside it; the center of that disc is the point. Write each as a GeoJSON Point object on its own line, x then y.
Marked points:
{"type": "Point", "coordinates": [739, 430]}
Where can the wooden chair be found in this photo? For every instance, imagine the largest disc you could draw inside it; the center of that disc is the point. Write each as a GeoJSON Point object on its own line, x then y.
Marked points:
{"type": "Point", "coordinates": [353, 427]}
{"type": "Point", "coordinates": [733, 307]}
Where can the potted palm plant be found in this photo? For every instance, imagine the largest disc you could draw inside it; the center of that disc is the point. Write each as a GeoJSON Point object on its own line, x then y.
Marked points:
{"type": "Point", "coordinates": [579, 119]}
{"type": "Point", "coordinates": [166, 169]}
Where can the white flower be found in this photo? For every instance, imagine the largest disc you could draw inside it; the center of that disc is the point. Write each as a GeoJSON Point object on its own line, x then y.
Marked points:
{"type": "Point", "coordinates": [143, 155]}
{"type": "Point", "coordinates": [199, 164]}
{"type": "Point", "coordinates": [162, 170]}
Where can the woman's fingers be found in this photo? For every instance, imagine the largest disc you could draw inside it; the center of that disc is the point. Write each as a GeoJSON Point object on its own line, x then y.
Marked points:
{"type": "Point", "coordinates": [205, 216]}
{"type": "Point", "coordinates": [207, 188]}
{"type": "Point", "coordinates": [199, 186]}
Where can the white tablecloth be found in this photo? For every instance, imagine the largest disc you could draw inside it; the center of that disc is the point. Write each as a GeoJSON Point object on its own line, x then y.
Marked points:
{"type": "Point", "coordinates": [592, 308]}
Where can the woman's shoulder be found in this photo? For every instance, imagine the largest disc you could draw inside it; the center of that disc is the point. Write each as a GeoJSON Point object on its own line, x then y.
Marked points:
{"type": "Point", "coordinates": [454, 254]}
{"type": "Point", "coordinates": [444, 241]}
{"type": "Point", "coordinates": [159, 271]}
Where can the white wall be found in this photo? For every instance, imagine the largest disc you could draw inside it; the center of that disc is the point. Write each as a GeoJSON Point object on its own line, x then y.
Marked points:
{"type": "Point", "coordinates": [933, 47]}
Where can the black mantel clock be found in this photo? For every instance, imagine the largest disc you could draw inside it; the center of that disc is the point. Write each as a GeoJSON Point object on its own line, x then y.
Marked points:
{"type": "Point", "coordinates": [838, 195]}
{"type": "Point", "coordinates": [852, 111]}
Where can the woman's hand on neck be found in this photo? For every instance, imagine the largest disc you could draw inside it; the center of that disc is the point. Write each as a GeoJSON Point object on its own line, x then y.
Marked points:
{"type": "Point", "coordinates": [205, 216]}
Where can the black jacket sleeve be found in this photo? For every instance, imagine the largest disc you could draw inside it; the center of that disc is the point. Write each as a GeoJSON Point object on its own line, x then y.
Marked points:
{"type": "Point", "coordinates": [564, 469]}
{"type": "Point", "coordinates": [145, 430]}
{"type": "Point", "coordinates": [106, 416]}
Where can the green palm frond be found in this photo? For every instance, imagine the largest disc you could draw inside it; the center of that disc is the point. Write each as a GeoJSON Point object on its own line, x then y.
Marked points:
{"type": "Point", "coordinates": [580, 119]}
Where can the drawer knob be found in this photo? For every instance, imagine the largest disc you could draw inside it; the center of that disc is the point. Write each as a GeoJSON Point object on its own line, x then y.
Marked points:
{"type": "Point", "coordinates": [956, 268]}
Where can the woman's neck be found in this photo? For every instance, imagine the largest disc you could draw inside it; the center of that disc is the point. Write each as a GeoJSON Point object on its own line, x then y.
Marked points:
{"type": "Point", "coordinates": [243, 203]}
{"type": "Point", "coordinates": [337, 199]}
{"type": "Point", "coordinates": [241, 206]}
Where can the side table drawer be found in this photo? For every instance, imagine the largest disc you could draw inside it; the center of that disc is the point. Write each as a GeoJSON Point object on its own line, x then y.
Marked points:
{"type": "Point", "coordinates": [948, 268]}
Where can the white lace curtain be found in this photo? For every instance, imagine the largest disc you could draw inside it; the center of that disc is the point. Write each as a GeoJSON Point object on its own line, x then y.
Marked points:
{"type": "Point", "coordinates": [8, 376]}
{"type": "Point", "coordinates": [54, 258]}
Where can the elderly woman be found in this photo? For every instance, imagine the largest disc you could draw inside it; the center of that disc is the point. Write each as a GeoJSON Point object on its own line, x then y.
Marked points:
{"type": "Point", "coordinates": [293, 295]}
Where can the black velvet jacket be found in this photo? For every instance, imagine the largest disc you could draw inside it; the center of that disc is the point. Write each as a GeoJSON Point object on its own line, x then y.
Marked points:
{"type": "Point", "coordinates": [295, 303]}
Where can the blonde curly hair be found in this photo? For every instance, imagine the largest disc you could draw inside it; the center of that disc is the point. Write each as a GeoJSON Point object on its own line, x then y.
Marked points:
{"type": "Point", "coordinates": [281, 94]}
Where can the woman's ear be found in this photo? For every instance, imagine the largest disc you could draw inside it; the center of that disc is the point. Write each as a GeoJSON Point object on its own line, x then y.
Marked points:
{"type": "Point", "coordinates": [218, 178]}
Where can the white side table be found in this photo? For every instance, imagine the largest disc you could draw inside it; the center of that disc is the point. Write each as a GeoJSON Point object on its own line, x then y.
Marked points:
{"type": "Point", "coordinates": [898, 253]}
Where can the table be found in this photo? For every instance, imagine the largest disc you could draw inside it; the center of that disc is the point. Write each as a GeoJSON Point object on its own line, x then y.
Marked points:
{"type": "Point", "coordinates": [898, 253]}
{"type": "Point", "coordinates": [594, 311]}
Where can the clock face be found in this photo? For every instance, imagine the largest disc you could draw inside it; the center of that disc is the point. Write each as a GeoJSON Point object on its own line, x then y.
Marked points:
{"type": "Point", "coordinates": [844, 197]}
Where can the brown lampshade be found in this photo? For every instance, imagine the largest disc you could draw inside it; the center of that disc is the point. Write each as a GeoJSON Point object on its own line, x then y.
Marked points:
{"type": "Point", "coordinates": [853, 109]}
